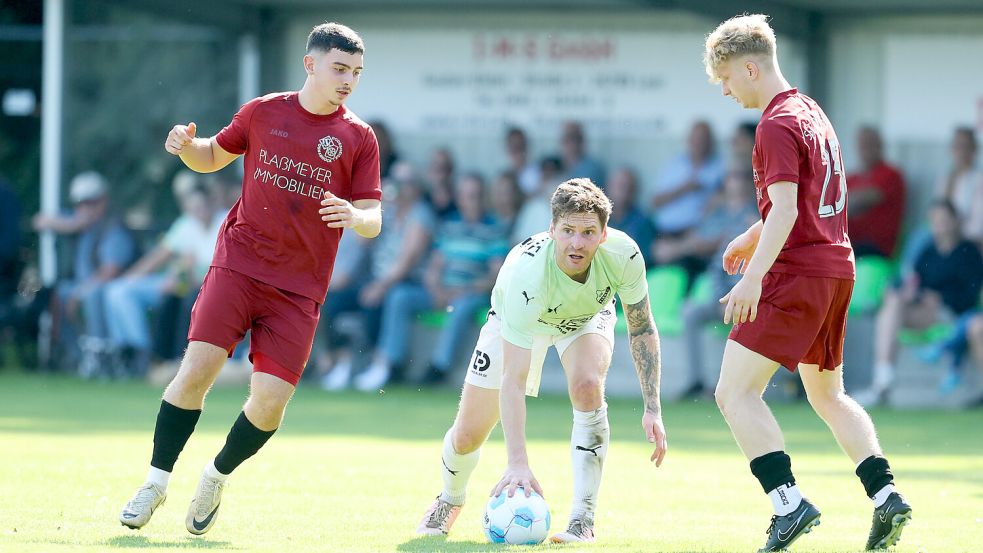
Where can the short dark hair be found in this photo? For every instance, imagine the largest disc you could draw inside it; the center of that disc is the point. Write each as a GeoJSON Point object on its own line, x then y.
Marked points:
{"type": "Point", "coordinates": [334, 36]}
{"type": "Point", "coordinates": [580, 196]}
{"type": "Point", "coordinates": [969, 132]}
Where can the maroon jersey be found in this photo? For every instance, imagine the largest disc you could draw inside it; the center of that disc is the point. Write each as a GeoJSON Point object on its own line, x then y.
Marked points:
{"type": "Point", "coordinates": [795, 142]}
{"type": "Point", "coordinates": [274, 233]}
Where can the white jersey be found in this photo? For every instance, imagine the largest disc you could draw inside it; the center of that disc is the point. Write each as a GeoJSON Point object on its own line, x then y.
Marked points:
{"type": "Point", "coordinates": [533, 297]}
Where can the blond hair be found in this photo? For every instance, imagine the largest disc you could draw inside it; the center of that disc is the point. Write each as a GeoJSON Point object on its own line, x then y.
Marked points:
{"type": "Point", "coordinates": [580, 196]}
{"type": "Point", "coordinates": [738, 36]}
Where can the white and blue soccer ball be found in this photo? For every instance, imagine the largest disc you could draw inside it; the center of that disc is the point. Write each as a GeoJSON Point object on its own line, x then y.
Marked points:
{"type": "Point", "coordinates": [517, 520]}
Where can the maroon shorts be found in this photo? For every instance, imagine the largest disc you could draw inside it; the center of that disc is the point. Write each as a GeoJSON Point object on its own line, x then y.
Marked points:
{"type": "Point", "coordinates": [282, 323]}
{"type": "Point", "coordinates": [800, 319]}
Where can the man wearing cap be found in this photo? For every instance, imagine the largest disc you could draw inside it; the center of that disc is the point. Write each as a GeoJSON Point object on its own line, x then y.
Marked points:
{"type": "Point", "coordinates": [103, 248]}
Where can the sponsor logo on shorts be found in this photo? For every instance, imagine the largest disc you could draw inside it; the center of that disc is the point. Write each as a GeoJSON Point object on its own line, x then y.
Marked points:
{"type": "Point", "coordinates": [480, 363]}
{"type": "Point", "coordinates": [329, 148]}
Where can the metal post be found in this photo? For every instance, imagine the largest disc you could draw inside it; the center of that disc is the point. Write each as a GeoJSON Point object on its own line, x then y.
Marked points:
{"type": "Point", "coordinates": [51, 126]}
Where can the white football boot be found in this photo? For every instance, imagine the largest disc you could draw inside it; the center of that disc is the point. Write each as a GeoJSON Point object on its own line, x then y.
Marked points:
{"type": "Point", "coordinates": [204, 507]}
{"type": "Point", "coordinates": [136, 514]}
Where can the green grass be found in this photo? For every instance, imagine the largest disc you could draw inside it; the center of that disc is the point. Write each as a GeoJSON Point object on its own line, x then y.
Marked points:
{"type": "Point", "coordinates": [354, 472]}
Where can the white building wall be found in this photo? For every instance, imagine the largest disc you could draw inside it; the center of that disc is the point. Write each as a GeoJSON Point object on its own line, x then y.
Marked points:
{"type": "Point", "coordinates": [650, 128]}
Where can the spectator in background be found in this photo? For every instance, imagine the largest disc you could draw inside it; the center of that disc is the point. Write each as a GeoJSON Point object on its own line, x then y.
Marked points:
{"type": "Point", "coordinates": [963, 185]}
{"type": "Point", "coordinates": [948, 275]}
{"type": "Point", "coordinates": [877, 199]}
{"type": "Point", "coordinates": [398, 257]}
{"type": "Point", "coordinates": [527, 173]}
{"type": "Point", "coordinates": [742, 147]}
{"type": "Point", "coordinates": [334, 349]}
{"type": "Point", "coordinates": [687, 183]}
{"type": "Point", "coordinates": [9, 245]}
{"type": "Point", "coordinates": [175, 267]}
{"type": "Point", "coordinates": [225, 190]}
{"type": "Point", "coordinates": [622, 189]}
{"type": "Point", "coordinates": [469, 250]}
{"type": "Point", "coordinates": [975, 338]}
{"type": "Point", "coordinates": [573, 152]}
{"type": "Point", "coordinates": [536, 208]}
{"type": "Point", "coordinates": [104, 248]}
{"type": "Point", "coordinates": [506, 201]}
{"type": "Point", "coordinates": [730, 214]}
{"type": "Point", "coordinates": [387, 155]}
{"type": "Point", "coordinates": [440, 174]}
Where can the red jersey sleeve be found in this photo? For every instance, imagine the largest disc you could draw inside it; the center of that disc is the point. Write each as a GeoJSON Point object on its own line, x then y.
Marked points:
{"type": "Point", "coordinates": [234, 138]}
{"type": "Point", "coordinates": [366, 175]}
{"type": "Point", "coordinates": [780, 157]}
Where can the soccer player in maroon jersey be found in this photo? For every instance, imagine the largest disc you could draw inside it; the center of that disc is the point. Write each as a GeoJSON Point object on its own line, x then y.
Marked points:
{"type": "Point", "coordinates": [790, 306]}
{"type": "Point", "coordinates": [311, 170]}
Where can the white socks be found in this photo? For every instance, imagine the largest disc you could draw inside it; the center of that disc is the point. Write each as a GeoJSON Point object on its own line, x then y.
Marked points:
{"type": "Point", "coordinates": [158, 477]}
{"type": "Point", "coordinates": [212, 472]}
{"type": "Point", "coordinates": [588, 448]}
{"type": "Point", "coordinates": [881, 496]}
{"type": "Point", "coordinates": [456, 471]}
{"type": "Point", "coordinates": [785, 499]}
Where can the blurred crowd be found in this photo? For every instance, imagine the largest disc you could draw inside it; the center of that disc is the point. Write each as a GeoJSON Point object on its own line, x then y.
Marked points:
{"type": "Point", "coordinates": [124, 305]}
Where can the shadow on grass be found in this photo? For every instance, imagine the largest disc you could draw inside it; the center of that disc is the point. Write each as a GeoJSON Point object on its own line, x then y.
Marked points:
{"type": "Point", "coordinates": [430, 544]}
{"type": "Point", "coordinates": [186, 543]}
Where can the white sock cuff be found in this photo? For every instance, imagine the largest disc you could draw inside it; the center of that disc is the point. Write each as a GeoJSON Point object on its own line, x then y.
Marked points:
{"type": "Point", "coordinates": [590, 418]}
{"type": "Point", "coordinates": [159, 477]}
{"type": "Point", "coordinates": [213, 472]}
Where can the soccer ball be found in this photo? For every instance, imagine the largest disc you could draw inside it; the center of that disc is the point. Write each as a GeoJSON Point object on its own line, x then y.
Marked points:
{"type": "Point", "coordinates": [517, 520]}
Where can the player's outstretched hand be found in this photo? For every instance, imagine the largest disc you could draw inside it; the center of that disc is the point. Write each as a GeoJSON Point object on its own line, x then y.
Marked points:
{"type": "Point", "coordinates": [517, 477]}
{"type": "Point", "coordinates": [338, 213]}
{"type": "Point", "coordinates": [656, 433]}
{"type": "Point", "coordinates": [742, 301]}
{"type": "Point", "coordinates": [179, 137]}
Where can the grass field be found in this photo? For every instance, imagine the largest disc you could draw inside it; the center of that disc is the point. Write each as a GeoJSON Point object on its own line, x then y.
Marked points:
{"type": "Point", "coordinates": [354, 472]}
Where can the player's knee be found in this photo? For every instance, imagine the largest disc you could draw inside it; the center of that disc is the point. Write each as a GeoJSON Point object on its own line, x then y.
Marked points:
{"type": "Point", "coordinates": [587, 388]}
{"type": "Point", "coordinates": [465, 441]}
{"type": "Point", "coordinates": [825, 403]}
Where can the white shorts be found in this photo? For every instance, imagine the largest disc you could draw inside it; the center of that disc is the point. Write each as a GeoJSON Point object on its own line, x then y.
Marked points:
{"type": "Point", "coordinates": [485, 367]}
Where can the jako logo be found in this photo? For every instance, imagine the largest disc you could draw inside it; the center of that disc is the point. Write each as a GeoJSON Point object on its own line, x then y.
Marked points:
{"type": "Point", "coordinates": [278, 132]}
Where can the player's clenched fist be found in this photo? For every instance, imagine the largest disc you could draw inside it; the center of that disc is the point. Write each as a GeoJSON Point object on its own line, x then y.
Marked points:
{"type": "Point", "coordinates": [179, 137]}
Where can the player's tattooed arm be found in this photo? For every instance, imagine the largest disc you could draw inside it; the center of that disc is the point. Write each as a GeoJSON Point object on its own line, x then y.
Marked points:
{"type": "Point", "coordinates": [646, 352]}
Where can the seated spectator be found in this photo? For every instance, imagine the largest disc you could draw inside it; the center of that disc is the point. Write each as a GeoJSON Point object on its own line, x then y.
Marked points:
{"type": "Point", "coordinates": [877, 199]}
{"type": "Point", "coordinates": [506, 200]}
{"type": "Point", "coordinates": [731, 214]}
{"type": "Point", "coordinates": [174, 268]}
{"type": "Point", "coordinates": [622, 189]}
{"type": "Point", "coordinates": [945, 283]}
{"type": "Point", "coordinates": [387, 155]}
{"type": "Point", "coordinates": [963, 184]}
{"type": "Point", "coordinates": [397, 256]}
{"type": "Point", "coordinates": [975, 336]}
{"type": "Point", "coordinates": [742, 147]}
{"type": "Point", "coordinates": [104, 248]}
{"type": "Point", "coordinates": [527, 173]}
{"type": "Point", "coordinates": [536, 208]}
{"type": "Point", "coordinates": [459, 277]}
{"type": "Point", "coordinates": [10, 264]}
{"type": "Point", "coordinates": [573, 152]}
{"type": "Point", "coordinates": [334, 349]}
{"type": "Point", "coordinates": [440, 175]}
{"type": "Point", "coordinates": [722, 220]}
{"type": "Point", "coordinates": [687, 183]}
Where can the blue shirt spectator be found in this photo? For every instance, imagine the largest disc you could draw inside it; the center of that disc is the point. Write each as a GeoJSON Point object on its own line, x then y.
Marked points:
{"type": "Point", "coordinates": [687, 183]}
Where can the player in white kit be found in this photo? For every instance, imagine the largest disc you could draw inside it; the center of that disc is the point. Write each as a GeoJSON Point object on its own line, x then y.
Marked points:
{"type": "Point", "coordinates": [556, 288]}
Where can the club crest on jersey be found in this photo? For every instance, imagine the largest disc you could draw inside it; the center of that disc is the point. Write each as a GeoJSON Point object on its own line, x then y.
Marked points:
{"type": "Point", "coordinates": [329, 148]}
{"type": "Point", "coordinates": [603, 295]}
